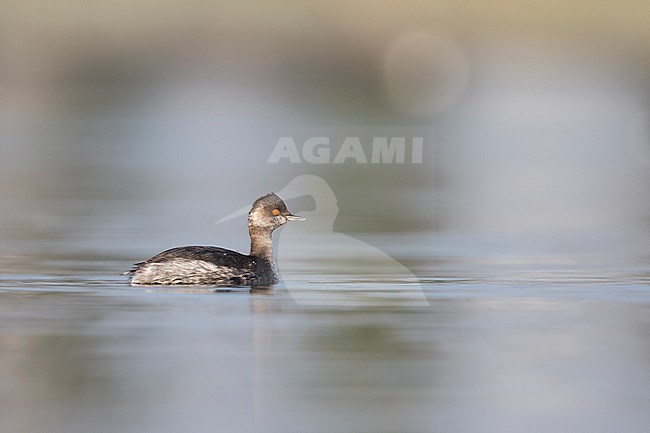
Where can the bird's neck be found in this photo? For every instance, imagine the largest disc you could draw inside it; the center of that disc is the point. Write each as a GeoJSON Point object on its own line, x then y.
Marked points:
{"type": "Point", "coordinates": [261, 243]}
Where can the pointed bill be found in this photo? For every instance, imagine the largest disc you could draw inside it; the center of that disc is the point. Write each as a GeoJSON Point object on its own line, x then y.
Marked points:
{"type": "Point", "coordinates": [295, 218]}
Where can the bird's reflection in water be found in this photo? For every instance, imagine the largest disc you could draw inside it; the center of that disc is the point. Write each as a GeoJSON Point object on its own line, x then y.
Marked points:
{"type": "Point", "coordinates": [262, 290]}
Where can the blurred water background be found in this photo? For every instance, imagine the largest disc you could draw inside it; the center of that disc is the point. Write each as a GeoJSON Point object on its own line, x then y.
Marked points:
{"type": "Point", "coordinates": [130, 127]}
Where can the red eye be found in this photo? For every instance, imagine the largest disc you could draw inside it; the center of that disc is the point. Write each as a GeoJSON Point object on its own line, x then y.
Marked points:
{"type": "Point", "coordinates": [275, 212]}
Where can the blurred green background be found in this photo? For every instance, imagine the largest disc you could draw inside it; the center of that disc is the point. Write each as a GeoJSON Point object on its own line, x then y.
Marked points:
{"type": "Point", "coordinates": [139, 118]}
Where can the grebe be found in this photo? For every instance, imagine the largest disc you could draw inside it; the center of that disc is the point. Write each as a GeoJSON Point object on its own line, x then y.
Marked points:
{"type": "Point", "coordinates": [206, 265]}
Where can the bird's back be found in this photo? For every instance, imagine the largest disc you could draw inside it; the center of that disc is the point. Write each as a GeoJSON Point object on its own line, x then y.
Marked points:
{"type": "Point", "coordinates": [197, 265]}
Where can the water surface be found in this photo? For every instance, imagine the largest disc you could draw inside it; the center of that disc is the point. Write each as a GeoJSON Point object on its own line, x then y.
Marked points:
{"type": "Point", "coordinates": [496, 348]}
